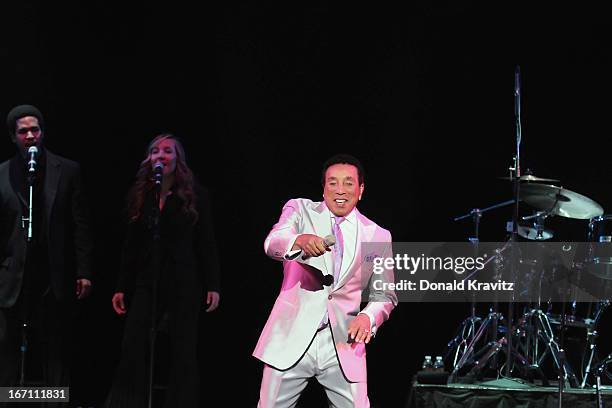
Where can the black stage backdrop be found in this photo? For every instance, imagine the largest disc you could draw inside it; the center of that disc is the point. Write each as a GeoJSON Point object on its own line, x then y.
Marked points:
{"type": "Point", "coordinates": [263, 93]}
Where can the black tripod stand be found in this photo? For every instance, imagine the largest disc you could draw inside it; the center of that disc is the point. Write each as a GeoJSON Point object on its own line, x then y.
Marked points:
{"type": "Point", "coordinates": [27, 225]}
{"type": "Point", "coordinates": [155, 273]}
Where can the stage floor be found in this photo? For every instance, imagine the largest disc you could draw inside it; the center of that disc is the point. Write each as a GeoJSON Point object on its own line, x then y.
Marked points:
{"type": "Point", "coordinates": [502, 393]}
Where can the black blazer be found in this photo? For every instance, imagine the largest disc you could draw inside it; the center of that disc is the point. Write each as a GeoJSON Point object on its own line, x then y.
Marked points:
{"type": "Point", "coordinates": [189, 250]}
{"type": "Point", "coordinates": [68, 231]}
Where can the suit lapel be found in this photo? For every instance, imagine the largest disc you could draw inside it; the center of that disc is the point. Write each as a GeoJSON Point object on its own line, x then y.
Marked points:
{"type": "Point", "coordinates": [16, 183]}
{"type": "Point", "coordinates": [321, 224]}
{"type": "Point", "coordinates": [52, 176]}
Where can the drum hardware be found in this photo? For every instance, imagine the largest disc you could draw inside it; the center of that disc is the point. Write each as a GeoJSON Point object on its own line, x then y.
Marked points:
{"type": "Point", "coordinates": [599, 256]}
{"type": "Point", "coordinates": [493, 348]}
{"type": "Point", "coordinates": [535, 334]}
{"type": "Point", "coordinates": [591, 339]}
{"type": "Point", "coordinates": [469, 346]}
{"type": "Point", "coordinates": [532, 339]}
{"type": "Point", "coordinates": [537, 328]}
{"type": "Point", "coordinates": [592, 335]}
{"type": "Point", "coordinates": [599, 370]}
{"type": "Point", "coordinates": [529, 177]}
{"type": "Point", "coordinates": [474, 328]}
{"type": "Point", "coordinates": [537, 232]}
{"type": "Point", "coordinates": [469, 334]}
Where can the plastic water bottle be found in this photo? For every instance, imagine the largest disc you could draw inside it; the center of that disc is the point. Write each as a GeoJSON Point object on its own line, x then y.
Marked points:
{"type": "Point", "coordinates": [427, 364]}
{"type": "Point", "coordinates": [438, 366]}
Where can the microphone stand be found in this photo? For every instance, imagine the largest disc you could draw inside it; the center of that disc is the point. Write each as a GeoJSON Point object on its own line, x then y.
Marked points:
{"type": "Point", "coordinates": [26, 224]}
{"type": "Point", "coordinates": [156, 269]}
{"type": "Point", "coordinates": [515, 174]}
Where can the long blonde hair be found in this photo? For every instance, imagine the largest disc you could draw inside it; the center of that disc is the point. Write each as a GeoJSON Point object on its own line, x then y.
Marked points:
{"type": "Point", "coordinates": [183, 181]}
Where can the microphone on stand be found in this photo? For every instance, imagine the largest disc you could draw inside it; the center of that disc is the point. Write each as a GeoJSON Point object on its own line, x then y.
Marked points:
{"type": "Point", "coordinates": [32, 152]}
{"type": "Point", "coordinates": [158, 173]}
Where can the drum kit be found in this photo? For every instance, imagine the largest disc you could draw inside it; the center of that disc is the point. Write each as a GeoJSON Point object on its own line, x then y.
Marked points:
{"type": "Point", "coordinates": [535, 336]}
{"type": "Point", "coordinates": [531, 336]}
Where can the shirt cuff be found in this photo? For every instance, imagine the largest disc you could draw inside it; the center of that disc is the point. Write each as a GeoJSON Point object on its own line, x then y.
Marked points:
{"type": "Point", "coordinates": [289, 254]}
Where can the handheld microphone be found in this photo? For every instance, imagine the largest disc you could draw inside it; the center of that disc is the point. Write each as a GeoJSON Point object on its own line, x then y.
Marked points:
{"type": "Point", "coordinates": [328, 241]}
{"type": "Point", "coordinates": [32, 151]}
{"type": "Point", "coordinates": [158, 173]}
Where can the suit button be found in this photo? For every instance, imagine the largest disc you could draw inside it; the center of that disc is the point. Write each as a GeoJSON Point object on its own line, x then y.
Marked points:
{"type": "Point", "coordinates": [330, 297]}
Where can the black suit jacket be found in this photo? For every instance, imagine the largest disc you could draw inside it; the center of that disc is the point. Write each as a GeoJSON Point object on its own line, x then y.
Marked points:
{"type": "Point", "coordinates": [68, 232]}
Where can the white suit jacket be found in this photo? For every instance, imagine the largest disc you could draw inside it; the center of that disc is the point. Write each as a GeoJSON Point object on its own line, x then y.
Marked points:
{"type": "Point", "coordinates": [301, 304]}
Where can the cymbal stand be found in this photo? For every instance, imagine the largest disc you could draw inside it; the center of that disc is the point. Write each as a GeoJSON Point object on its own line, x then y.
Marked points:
{"type": "Point", "coordinates": [476, 215]}
{"type": "Point", "coordinates": [544, 332]}
{"type": "Point", "coordinates": [469, 347]}
{"type": "Point", "coordinates": [598, 372]}
{"type": "Point", "coordinates": [591, 338]}
{"type": "Point", "coordinates": [468, 337]}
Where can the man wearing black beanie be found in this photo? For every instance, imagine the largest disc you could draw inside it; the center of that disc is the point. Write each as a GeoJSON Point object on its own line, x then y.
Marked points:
{"type": "Point", "coordinates": [45, 254]}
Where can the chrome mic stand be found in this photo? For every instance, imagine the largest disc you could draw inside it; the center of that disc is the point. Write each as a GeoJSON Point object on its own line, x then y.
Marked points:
{"type": "Point", "coordinates": [26, 224]}
{"type": "Point", "coordinates": [156, 270]}
{"type": "Point", "coordinates": [515, 175]}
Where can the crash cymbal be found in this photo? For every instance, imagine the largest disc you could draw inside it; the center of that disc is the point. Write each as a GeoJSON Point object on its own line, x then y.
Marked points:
{"type": "Point", "coordinates": [533, 234]}
{"type": "Point", "coordinates": [560, 201]}
{"type": "Point", "coordinates": [531, 177]}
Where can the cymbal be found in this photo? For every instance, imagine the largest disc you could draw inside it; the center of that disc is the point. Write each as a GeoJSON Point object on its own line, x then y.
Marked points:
{"type": "Point", "coordinates": [532, 233]}
{"type": "Point", "coordinates": [531, 177]}
{"type": "Point", "coordinates": [560, 201]}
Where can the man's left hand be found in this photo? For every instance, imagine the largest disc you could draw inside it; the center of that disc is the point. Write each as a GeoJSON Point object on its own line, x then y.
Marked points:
{"type": "Point", "coordinates": [83, 288]}
{"type": "Point", "coordinates": [359, 329]}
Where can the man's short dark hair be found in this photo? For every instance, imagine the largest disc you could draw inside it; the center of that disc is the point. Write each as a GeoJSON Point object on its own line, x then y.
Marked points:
{"type": "Point", "coordinates": [344, 158]}
{"type": "Point", "coordinates": [22, 111]}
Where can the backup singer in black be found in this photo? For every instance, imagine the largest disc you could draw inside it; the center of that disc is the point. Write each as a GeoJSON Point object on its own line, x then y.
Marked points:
{"type": "Point", "coordinates": [40, 278]}
{"type": "Point", "coordinates": [187, 276]}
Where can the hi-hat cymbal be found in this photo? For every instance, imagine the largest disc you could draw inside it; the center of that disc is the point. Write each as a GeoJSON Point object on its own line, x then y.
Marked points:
{"type": "Point", "coordinates": [533, 233]}
{"type": "Point", "coordinates": [560, 201]}
{"type": "Point", "coordinates": [531, 177]}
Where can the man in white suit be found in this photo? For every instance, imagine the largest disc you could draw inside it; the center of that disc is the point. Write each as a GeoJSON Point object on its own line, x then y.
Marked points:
{"type": "Point", "coordinates": [317, 327]}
